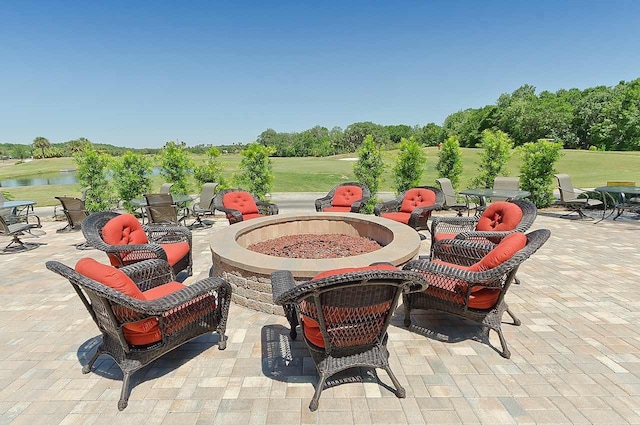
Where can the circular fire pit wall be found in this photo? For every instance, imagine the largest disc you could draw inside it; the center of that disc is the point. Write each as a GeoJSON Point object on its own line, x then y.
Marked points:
{"type": "Point", "coordinates": [249, 272]}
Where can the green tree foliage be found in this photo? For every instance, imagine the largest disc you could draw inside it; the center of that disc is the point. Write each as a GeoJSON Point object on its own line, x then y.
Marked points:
{"type": "Point", "coordinates": [256, 174]}
{"type": "Point", "coordinates": [409, 166]}
{"type": "Point", "coordinates": [20, 151]}
{"type": "Point", "coordinates": [537, 169]}
{"type": "Point", "coordinates": [429, 135]}
{"type": "Point", "coordinates": [92, 167]}
{"type": "Point", "coordinates": [399, 132]}
{"type": "Point", "coordinates": [175, 165]}
{"type": "Point", "coordinates": [41, 143]}
{"type": "Point", "coordinates": [368, 169]}
{"type": "Point", "coordinates": [355, 134]}
{"type": "Point", "coordinates": [131, 177]}
{"type": "Point", "coordinates": [211, 170]}
{"type": "Point", "coordinates": [450, 161]}
{"type": "Point", "coordinates": [493, 160]}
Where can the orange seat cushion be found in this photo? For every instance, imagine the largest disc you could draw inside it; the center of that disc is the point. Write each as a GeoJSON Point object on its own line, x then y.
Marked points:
{"type": "Point", "coordinates": [443, 236]}
{"type": "Point", "coordinates": [344, 196]}
{"type": "Point", "coordinates": [401, 217]}
{"type": "Point", "coordinates": [417, 198]}
{"type": "Point", "coordinates": [246, 217]}
{"type": "Point", "coordinates": [240, 201]}
{"type": "Point", "coordinates": [175, 251]}
{"type": "Point", "coordinates": [312, 327]}
{"type": "Point", "coordinates": [499, 217]}
{"type": "Point", "coordinates": [337, 209]}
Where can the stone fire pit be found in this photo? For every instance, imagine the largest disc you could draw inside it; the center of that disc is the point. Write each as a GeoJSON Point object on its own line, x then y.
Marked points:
{"type": "Point", "coordinates": [249, 272]}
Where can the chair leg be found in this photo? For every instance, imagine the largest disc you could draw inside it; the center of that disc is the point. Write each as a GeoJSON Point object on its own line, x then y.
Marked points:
{"type": "Point", "coordinates": [400, 391]}
{"type": "Point", "coordinates": [87, 368]}
{"type": "Point", "coordinates": [505, 351]}
{"type": "Point", "coordinates": [124, 393]}
{"type": "Point", "coordinates": [313, 406]}
{"type": "Point", "coordinates": [407, 315]}
{"type": "Point", "coordinates": [516, 321]}
{"type": "Point", "coordinates": [292, 318]}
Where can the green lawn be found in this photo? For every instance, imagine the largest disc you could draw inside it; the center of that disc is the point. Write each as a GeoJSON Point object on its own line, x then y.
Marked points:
{"type": "Point", "coordinates": [586, 168]}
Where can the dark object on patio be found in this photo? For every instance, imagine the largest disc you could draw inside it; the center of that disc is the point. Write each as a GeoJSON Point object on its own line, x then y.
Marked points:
{"type": "Point", "coordinates": [143, 313]}
{"type": "Point", "coordinates": [345, 197]}
{"type": "Point", "coordinates": [413, 207]}
{"type": "Point", "coordinates": [126, 241]}
{"type": "Point", "coordinates": [204, 206]}
{"type": "Point", "coordinates": [75, 212]}
{"type": "Point", "coordinates": [15, 230]}
{"type": "Point", "coordinates": [569, 196]}
{"type": "Point", "coordinates": [498, 220]}
{"type": "Point", "coordinates": [451, 198]}
{"type": "Point", "coordinates": [470, 279]}
{"type": "Point", "coordinates": [240, 205]}
{"type": "Point", "coordinates": [344, 316]}
{"type": "Point", "coordinates": [161, 209]}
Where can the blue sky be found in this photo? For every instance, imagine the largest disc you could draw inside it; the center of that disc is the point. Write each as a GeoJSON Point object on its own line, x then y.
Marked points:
{"type": "Point", "coordinates": [138, 74]}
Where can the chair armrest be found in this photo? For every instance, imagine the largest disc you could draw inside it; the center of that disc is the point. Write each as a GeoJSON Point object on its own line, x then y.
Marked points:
{"type": "Point", "coordinates": [267, 208]}
{"type": "Point", "coordinates": [161, 306]}
{"type": "Point", "coordinates": [357, 205]}
{"type": "Point", "coordinates": [389, 206]}
{"type": "Point", "coordinates": [322, 203]}
{"type": "Point", "coordinates": [432, 271]}
{"type": "Point", "coordinates": [167, 234]}
{"type": "Point", "coordinates": [457, 223]}
{"type": "Point", "coordinates": [142, 251]}
{"type": "Point", "coordinates": [237, 216]}
{"type": "Point", "coordinates": [281, 283]}
{"type": "Point", "coordinates": [486, 237]}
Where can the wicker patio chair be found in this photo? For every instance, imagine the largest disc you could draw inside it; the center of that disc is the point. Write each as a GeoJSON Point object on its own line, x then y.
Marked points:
{"type": "Point", "coordinates": [569, 197]}
{"type": "Point", "coordinates": [204, 205]}
{"type": "Point", "coordinates": [344, 316]}
{"type": "Point", "coordinates": [240, 205]}
{"type": "Point", "coordinates": [412, 207]}
{"type": "Point", "coordinates": [75, 212]}
{"type": "Point", "coordinates": [497, 221]}
{"type": "Point", "coordinates": [451, 198]}
{"type": "Point", "coordinates": [345, 197]}
{"type": "Point", "coordinates": [470, 279]}
{"type": "Point", "coordinates": [149, 314]}
{"type": "Point", "coordinates": [126, 241]}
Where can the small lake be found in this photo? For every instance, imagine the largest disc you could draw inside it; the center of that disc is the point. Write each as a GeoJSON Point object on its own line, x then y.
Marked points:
{"type": "Point", "coordinates": [58, 177]}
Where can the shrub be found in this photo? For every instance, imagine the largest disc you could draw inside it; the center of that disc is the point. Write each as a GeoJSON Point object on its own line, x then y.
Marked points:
{"type": "Point", "coordinates": [256, 174]}
{"type": "Point", "coordinates": [91, 173]}
{"type": "Point", "coordinates": [132, 177]}
{"type": "Point", "coordinates": [175, 165]}
{"type": "Point", "coordinates": [493, 160]}
{"type": "Point", "coordinates": [211, 170]}
{"type": "Point", "coordinates": [409, 166]}
{"type": "Point", "coordinates": [537, 169]}
{"type": "Point", "coordinates": [368, 169]}
{"type": "Point", "coordinates": [450, 161]}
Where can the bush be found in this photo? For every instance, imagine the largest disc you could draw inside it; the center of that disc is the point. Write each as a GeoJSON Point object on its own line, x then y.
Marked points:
{"type": "Point", "coordinates": [256, 170]}
{"type": "Point", "coordinates": [537, 169]}
{"type": "Point", "coordinates": [409, 166]}
{"type": "Point", "coordinates": [175, 165]}
{"type": "Point", "coordinates": [210, 171]}
{"type": "Point", "coordinates": [132, 177]}
{"type": "Point", "coordinates": [91, 173]}
{"type": "Point", "coordinates": [450, 161]}
{"type": "Point", "coordinates": [493, 160]}
{"type": "Point", "coordinates": [368, 170]}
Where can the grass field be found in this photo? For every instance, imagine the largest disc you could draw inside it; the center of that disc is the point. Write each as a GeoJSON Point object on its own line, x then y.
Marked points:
{"type": "Point", "coordinates": [586, 168]}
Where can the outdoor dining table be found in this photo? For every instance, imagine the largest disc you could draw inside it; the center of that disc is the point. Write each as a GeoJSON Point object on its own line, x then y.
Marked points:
{"type": "Point", "coordinates": [619, 201]}
{"type": "Point", "coordinates": [17, 207]}
{"type": "Point", "coordinates": [483, 193]}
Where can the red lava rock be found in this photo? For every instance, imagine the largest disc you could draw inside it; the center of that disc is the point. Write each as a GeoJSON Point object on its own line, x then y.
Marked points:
{"type": "Point", "coordinates": [316, 246]}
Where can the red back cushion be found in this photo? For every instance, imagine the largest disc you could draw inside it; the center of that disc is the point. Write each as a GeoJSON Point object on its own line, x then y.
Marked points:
{"type": "Point", "coordinates": [124, 230]}
{"type": "Point", "coordinates": [344, 196]}
{"type": "Point", "coordinates": [416, 198]}
{"type": "Point", "coordinates": [240, 201]}
{"type": "Point", "coordinates": [501, 253]}
{"type": "Point", "coordinates": [109, 276]}
{"type": "Point", "coordinates": [500, 216]}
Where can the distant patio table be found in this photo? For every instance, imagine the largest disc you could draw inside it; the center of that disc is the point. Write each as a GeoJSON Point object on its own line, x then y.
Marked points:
{"type": "Point", "coordinates": [18, 210]}
{"type": "Point", "coordinates": [618, 197]}
{"type": "Point", "coordinates": [483, 193]}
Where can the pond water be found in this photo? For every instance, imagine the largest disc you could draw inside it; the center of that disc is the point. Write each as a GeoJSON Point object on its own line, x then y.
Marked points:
{"type": "Point", "coordinates": [57, 177]}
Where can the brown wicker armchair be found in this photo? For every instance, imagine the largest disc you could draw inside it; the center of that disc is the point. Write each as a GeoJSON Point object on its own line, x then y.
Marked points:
{"type": "Point", "coordinates": [240, 205]}
{"type": "Point", "coordinates": [171, 313]}
{"type": "Point", "coordinates": [344, 317]}
{"type": "Point", "coordinates": [127, 241]}
{"type": "Point", "coordinates": [345, 197]}
{"type": "Point", "coordinates": [413, 207]}
{"type": "Point", "coordinates": [470, 279]}
{"type": "Point", "coordinates": [497, 221]}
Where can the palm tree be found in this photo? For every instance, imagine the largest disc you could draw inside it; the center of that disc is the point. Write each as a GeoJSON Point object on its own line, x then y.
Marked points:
{"type": "Point", "coordinates": [41, 143]}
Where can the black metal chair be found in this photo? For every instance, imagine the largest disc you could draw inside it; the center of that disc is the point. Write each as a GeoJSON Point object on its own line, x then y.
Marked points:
{"type": "Point", "coordinates": [204, 206]}
{"type": "Point", "coordinates": [75, 212]}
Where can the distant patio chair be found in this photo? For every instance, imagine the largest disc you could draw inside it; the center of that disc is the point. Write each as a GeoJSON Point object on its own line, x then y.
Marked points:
{"type": "Point", "coordinates": [166, 187]}
{"type": "Point", "coordinates": [344, 315]}
{"type": "Point", "coordinates": [161, 209]}
{"type": "Point", "coordinates": [412, 207]}
{"type": "Point", "coordinates": [569, 197]}
{"type": "Point", "coordinates": [240, 205]}
{"type": "Point", "coordinates": [505, 183]}
{"type": "Point", "coordinates": [75, 212]}
{"type": "Point", "coordinates": [204, 206]}
{"type": "Point", "coordinates": [16, 230]}
{"type": "Point", "coordinates": [345, 197]}
{"type": "Point", "coordinates": [451, 198]}
{"type": "Point", "coordinates": [143, 313]}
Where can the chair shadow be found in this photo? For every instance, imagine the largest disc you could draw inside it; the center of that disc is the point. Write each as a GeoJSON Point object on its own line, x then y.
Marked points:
{"type": "Point", "coordinates": [290, 361]}
{"type": "Point", "coordinates": [106, 367]}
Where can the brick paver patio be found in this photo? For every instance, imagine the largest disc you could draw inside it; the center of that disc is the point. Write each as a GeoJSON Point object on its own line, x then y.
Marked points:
{"type": "Point", "coordinates": [575, 359]}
